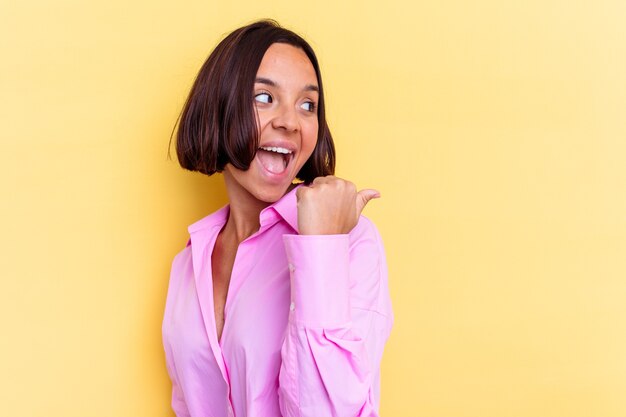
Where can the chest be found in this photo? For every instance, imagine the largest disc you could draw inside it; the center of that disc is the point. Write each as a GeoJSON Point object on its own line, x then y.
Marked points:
{"type": "Point", "coordinates": [251, 290]}
{"type": "Point", "coordinates": [222, 262]}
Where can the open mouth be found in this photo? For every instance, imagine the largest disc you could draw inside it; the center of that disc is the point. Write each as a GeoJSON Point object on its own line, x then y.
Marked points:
{"type": "Point", "coordinates": [274, 159]}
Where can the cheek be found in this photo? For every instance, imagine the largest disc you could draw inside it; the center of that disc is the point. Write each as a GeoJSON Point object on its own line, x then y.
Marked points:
{"type": "Point", "coordinates": [261, 120]}
{"type": "Point", "coordinates": [310, 137]}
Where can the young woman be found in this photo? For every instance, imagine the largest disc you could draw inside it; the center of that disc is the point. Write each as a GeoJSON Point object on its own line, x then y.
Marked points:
{"type": "Point", "coordinates": [278, 305]}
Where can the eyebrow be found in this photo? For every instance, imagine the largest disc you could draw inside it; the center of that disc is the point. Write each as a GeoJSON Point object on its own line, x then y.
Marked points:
{"type": "Point", "coordinates": [267, 81]}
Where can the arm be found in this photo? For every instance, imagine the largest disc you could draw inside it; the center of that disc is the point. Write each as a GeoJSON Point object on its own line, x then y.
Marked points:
{"type": "Point", "coordinates": [339, 322]}
{"type": "Point", "coordinates": [179, 266]}
{"type": "Point", "coordinates": [178, 400]}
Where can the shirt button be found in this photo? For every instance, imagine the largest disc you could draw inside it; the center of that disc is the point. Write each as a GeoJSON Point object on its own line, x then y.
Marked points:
{"type": "Point", "coordinates": [291, 267]}
{"type": "Point", "coordinates": [292, 306]}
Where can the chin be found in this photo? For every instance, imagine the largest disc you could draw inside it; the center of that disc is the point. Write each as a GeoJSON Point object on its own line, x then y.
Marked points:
{"type": "Point", "coordinates": [270, 194]}
{"type": "Point", "coordinates": [257, 184]}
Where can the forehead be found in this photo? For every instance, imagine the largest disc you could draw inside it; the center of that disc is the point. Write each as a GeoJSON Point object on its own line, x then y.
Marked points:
{"type": "Point", "coordinates": [284, 61]}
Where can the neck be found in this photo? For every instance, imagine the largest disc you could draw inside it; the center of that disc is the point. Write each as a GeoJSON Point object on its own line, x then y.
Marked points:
{"type": "Point", "coordinates": [243, 217]}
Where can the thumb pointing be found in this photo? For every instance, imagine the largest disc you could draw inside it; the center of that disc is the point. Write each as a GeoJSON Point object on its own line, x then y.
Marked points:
{"type": "Point", "coordinates": [363, 197]}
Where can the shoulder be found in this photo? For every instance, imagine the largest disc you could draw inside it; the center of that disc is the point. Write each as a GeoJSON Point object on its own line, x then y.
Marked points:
{"type": "Point", "coordinates": [216, 218]}
{"type": "Point", "coordinates": [368, 269]}
{"type": "Point", "coordinates": [183, 257]}
{"type": "Point", "coordinates": [366, 249]}
{"type": "Point", "coordinates": [182, 267]}
{"type": "Point", "coordinates": [365, 232]}
{"type": "Point", "coordinates": [200, 234]}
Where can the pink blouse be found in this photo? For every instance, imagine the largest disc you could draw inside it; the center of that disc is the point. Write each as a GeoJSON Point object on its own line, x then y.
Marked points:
{"type": "Point", "coordinates": [306, 321]}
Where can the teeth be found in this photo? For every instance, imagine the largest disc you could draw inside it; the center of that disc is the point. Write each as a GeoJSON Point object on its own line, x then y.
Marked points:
{"type": "Point", "coordinates": [276, 149]}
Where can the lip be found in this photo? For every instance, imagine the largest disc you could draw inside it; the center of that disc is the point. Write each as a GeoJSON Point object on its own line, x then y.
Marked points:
{"type": "Point", "coordinates": [273, 177]}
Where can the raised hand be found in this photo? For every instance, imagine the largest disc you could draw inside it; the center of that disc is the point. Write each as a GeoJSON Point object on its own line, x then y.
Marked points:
{"type": "Point", "coordinates": [330, 205]}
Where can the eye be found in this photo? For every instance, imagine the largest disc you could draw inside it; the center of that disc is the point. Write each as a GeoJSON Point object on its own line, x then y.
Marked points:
{"type": "Point", "coordinates": [308, 106]}
{"type": "Point", "coordinates": [263, 98]}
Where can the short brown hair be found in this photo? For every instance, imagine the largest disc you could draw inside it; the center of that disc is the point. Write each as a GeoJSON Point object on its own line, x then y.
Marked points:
{"type": "Point", "coordinates": [218, 122]}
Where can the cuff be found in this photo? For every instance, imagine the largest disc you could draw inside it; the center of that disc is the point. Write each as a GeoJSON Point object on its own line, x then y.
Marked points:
{"type": "Point", "coordinates": [319, 267]}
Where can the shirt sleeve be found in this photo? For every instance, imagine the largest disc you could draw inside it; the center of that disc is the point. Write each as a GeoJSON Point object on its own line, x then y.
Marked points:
{"type": "Point", "coordinates": [178, 400]}
{"type": "Point", "coordinates": [179, 405]}
{"type": "Point", "coordinates": [340, 318]}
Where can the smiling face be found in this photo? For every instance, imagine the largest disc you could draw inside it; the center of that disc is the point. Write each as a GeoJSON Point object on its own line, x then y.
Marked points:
{"type": "Point", "coordinates": [285, 98]}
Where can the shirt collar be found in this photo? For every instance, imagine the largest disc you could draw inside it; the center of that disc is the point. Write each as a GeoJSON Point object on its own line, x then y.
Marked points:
{"type": "Point", "coordinates": [216, 218]}
{"type": "Point", "coordinates": [286, 207]}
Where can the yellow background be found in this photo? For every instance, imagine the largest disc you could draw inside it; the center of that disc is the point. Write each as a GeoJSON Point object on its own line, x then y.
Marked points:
{"type": "Point", "coordinates": [495, 130]}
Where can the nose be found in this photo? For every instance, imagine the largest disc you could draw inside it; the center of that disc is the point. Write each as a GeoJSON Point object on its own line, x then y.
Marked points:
{"type": "Point", "coordinates": [286, 118]}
